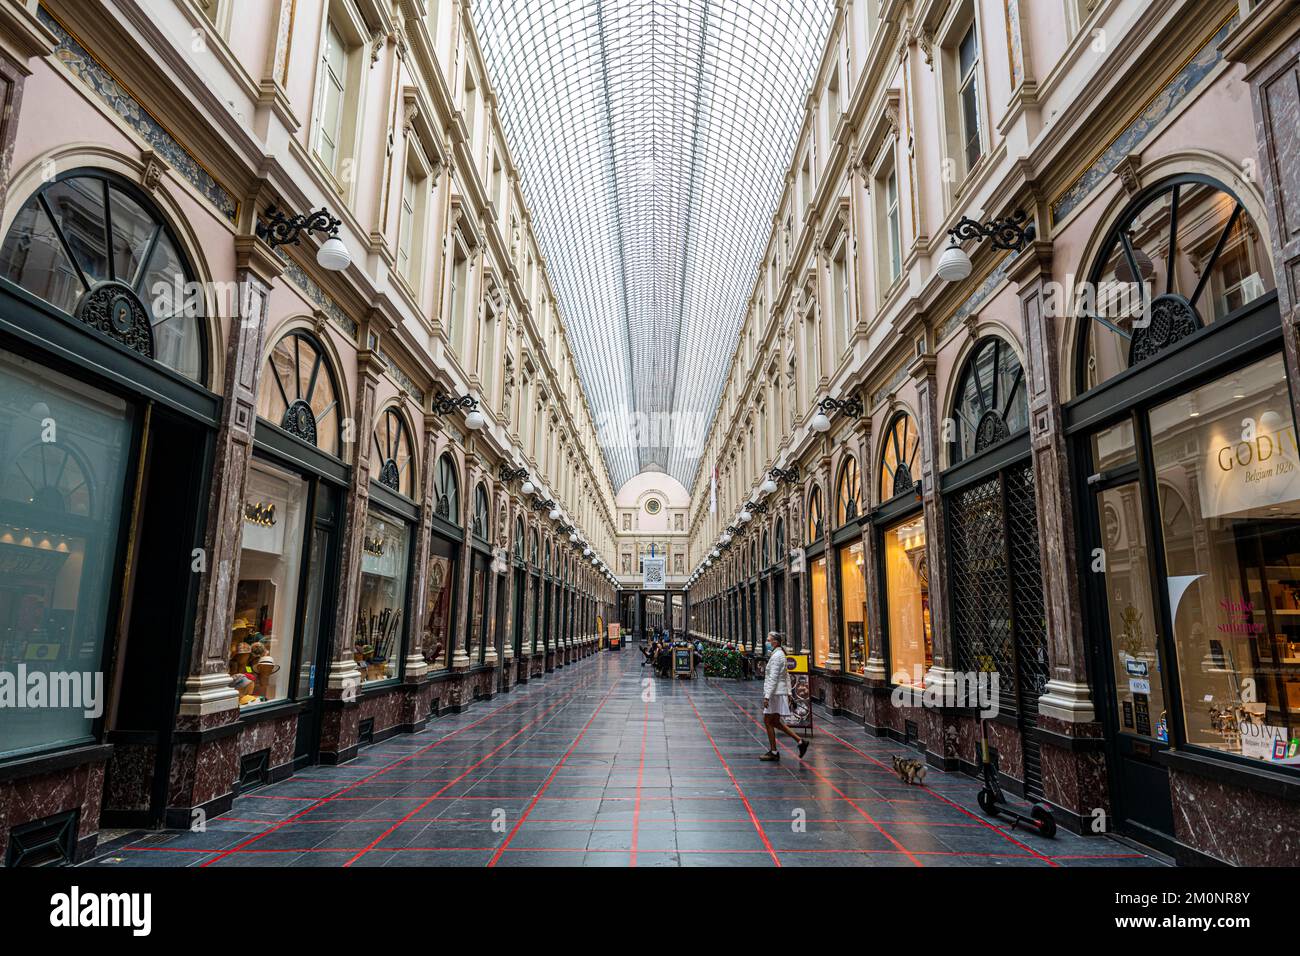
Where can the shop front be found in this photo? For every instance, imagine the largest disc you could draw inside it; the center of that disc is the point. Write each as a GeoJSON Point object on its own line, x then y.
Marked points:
{"type": "Point", "coordinates": [1188, 474]}
{"type": "Point", "coordinates": [819, 636]}
{"type": "Point", "coordinates": [106, 445]}
{"type": "Point", "coordinates": [899, 527]}
{"type": "Point", "coordinates": [851, 567]}
{"type": "Point", "coordinates": [994, 569]}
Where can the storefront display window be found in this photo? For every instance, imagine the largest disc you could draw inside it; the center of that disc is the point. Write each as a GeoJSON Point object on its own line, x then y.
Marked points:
{"type": "Point", "coordinates": [385, 551]}
{"type": "Point", "coordinates": [907, 602]}
{"type": "Point", "coordinates": [820, 612]}
{"type": "Point", "coordinates": [270, 564]}
{"type": "Point", "coordinates": [66, 449]}
{"type": "Point", "coordinates": [854, 589]}
{"type": "Point", "coordinates": [1228, 469]}
{"type": "Point", "coordinates": [440, 604]}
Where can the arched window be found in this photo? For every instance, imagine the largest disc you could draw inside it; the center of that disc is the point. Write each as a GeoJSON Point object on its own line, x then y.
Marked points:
{"type": "Point", "coordinates": [447, 490]}
{"type": "Point", "coordinates": [547, 554]}
{"type": "Point", "coordinates": [767, 551]}
{"type": "Point", "coordinates": [95, 246]}
{"type": "Point", "coordinates": [392, 441]}
{"type": "Point", "coordinates": [780, 539]}
{"type": "Point", "coordinates": [482, 524]}
{"type": "Point", "coordinates": [532, 548]}
{"type": "Point", "coordinates": [815, 525]}
{"type": "Point", "coordinates": [848, 492]}
{"type": "Point", "coordinates": [1184, 254]}
{"type": "Point", "coordinates": [990, 404]}
{"type": "Point", "coordinates": [298, 392]}
{"type": "Point", "coordinates": [519, 538]}
{"type": "Point", "coordinates": [753, 557]}
{"type": "Point", "coordinates": [899, 467]}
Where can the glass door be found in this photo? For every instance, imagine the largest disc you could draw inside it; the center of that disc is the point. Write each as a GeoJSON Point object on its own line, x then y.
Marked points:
{"type": "Point", "coordinates": [1123, 567]}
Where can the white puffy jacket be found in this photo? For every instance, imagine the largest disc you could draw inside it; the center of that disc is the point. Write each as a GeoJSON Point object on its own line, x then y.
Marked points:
{"type": "Point", "coordinates": [776, 679]}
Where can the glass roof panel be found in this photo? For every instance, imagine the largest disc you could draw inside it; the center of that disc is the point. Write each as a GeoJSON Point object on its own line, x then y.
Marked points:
{"type": "Point", "coordinates": [652, 140]}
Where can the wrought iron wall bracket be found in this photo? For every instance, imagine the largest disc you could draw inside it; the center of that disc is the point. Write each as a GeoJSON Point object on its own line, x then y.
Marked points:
{"type": "Point", "coordinates": [542, 505]}
{"type": "Point", "coordinates": [785, 475]}
{"type": "Point", "coordinates": [1010, 232]}
{"type": "Point", "coordinates": [506, 473]}
{"type": "Point", "coordinates": [446, 404]}
{"type": "Point", "coordinates": [277, 229]}
{"type": "Point", "coordinates": [852, 407]}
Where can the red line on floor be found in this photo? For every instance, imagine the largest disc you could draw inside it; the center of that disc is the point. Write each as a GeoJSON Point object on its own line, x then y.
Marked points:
{"type": "Point", "coordinates": [484, 759]}
{"type": "Point", "coordinates": [572, 747]}
{"type": "Point", "coordinates": [821, 776]}
{"type": "Point", "coordinates": [339, 796]}
{"type": "Point", "coordinates": [957, 806]}
{"type": "Point", "coordinates": [734, 782]}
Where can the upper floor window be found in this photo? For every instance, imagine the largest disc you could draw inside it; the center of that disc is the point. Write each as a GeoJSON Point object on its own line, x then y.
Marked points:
{"type": "Point", "coordinates": [94, 246]}
{"type": "Point", "coordinates": [413, 217]}
{"type": "Point", "coordinates": [337, 94]}
{"type": "Point", "coordinates": [961, 92]}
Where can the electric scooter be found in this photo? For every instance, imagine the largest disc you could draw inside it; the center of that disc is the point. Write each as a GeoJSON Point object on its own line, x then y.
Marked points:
{"type": "Point", "coordinates": [994, 803]}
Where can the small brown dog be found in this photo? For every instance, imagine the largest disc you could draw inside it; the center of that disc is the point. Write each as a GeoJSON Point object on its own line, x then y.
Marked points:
{"type": "Point", "coordinates": [910, 770]}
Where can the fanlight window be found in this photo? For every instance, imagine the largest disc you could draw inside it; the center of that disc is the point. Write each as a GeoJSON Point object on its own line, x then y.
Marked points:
{"type": "Point", "coordinates": [1182, 255]}
{"type": "Point", "coordinates": [767, 550]}
{"type": "Point", "coordinates": [780, 540]}
{"type": "Point", "coordinates": [815, 526]}
{"type": "Point", "coordinates": [547, 555]}
{"type": "Point", "coordinates": [447, 490]}
{"type": "Point", "coordinates": [392, 440]}
{"type": "Point", "coordinates": [991, 404]}
{"type": "Point", "coordinates": [95, 247]}
{"type": "Point", "coordinates": [532, 548]}
{"type": "Point", "coordinates": [51, 478]}
{"type": "Point", "coordinates": [482, 513]}
{"type": "Point", "coordinates": [519, 538]}
{"type": "Point", "coordinates": [899, 467]}
{"type": "Point", "coordinates": [298, 392]}
{"type": "Point", "coordinates": [848, 492]}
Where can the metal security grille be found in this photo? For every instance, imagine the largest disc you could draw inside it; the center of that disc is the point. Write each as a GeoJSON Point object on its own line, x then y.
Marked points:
{"type": "Point", "coordinates": [997, 597]}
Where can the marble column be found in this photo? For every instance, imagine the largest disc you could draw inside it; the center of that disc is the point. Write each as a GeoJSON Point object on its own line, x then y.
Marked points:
{"type": "Point", "coordinates": [417, 613]}
{"type": "Point", "coordinates": [929, 433]}
{"type": "Point", "coordinates": [205, 755]}
{"type": "Point", "coordinates": [460, 634]}
{"type": "Point", "coordinates": [834, 600]}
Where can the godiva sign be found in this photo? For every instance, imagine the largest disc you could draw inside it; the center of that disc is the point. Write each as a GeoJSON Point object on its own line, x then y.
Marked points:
{"type": "Point", "coordinates": [1254, 462]}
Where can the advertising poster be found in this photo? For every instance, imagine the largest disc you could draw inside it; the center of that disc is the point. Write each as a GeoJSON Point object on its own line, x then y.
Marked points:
{"type": "Point", "coordinates": [614, 636]}
{"type": "Point", "coordinates": [800, 718]}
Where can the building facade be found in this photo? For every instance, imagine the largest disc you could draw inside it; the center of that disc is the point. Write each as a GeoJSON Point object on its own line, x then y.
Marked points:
{"type": "Point", "coordinates": [1068, 465]}
{"type": "Point", "coordinates": [283, 505]}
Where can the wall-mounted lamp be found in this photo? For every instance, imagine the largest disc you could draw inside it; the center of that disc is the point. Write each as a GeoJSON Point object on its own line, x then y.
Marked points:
{"type": "Point", "coordinates": [758, 507]}
{"type": "Point", "coordinates": [852, 407]}
{"type": "Point", "coordinates": [539, 505]}
{"type": "Point", "coordinates": [277, 229]}
{"type": "Point", "coordinates": [445, 405]}
{"type": "Point", "coordinates": [1011, 232]}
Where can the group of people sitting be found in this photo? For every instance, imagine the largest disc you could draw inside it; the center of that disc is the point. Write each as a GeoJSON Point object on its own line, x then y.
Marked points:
{"type": "Point", "coordinates": [658, 653]}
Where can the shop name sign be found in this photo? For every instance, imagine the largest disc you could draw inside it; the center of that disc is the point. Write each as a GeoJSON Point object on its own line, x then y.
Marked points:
{"type": "Point", "coordinates": [1254, 465]}
{"type": "Point", "coordinates": [260, 513]}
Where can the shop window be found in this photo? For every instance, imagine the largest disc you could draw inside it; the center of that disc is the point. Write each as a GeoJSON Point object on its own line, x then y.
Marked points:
{"type": "Point", "coordinates": [385, 554]}
{"type": "Point", "coordinates": [447, 490]}
{"type": "Point", "coordinates": [1228, 467]}
{"type": "Point", "coordinates": [991, 405]}
{"type": "Point", "coordinates": [266, 598]}
{"type": "Point", "coordinates": [298, 392]}
{"type": "Point", "coordinates": [392, 444]}
{"type": "Point", "coordinates": [66, 449]}
{"type": "Point", "coordinates": [854, 594]}
{"type": "Point", "coordinates": [819, 601]}
{"type": "Point", "coordinates": [780, 540]}
{"type": "Point", "coordinates": [899, 467]}
{"type": "Point", "coordinates": [95, 247]}
{"type": "Point", "coordinates": [907, 602]}
{"type": "Point", "coordinates": [815, 524]}
{"type": "Point", "coordinates": [440, 603]}
{"type": "Point", "coordinates": [1183, 255]}
{"type": "Point", "coordinates": [848, 492]}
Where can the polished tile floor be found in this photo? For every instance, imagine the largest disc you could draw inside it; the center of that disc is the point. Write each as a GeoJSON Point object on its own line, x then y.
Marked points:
{"type": "Point", "coordinates": [599, 764]}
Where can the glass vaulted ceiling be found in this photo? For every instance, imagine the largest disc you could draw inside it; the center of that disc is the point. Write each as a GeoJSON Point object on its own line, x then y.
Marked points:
{"type": "Point", "coordinates": [652, 140]}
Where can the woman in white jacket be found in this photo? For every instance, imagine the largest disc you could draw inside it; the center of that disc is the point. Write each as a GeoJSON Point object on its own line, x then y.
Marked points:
{"type": "Point", "coordinates": [776, 699]}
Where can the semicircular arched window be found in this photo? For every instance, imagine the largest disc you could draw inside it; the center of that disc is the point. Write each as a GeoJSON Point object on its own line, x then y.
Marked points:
{"type": "Point", "coordinates": [1184, 254]}
{"type": "Point", "coordinates": [532, 548]}
{"type": "Point", "coordinates": [991, 404]}
{"type": "Point", "coordinates": [899, 467]}
{"type": "Point", "coordinates": [392, 441]}
{"type": "Point", "coordinates": [767, 550]}
{"type": "Point", "coordinates": [95, 246]}
{"type": "Point", "coordinates": [848, 492]}
{"type": "Point", "coordinates": [299, 393]}
{"type": "Point", "coordinates": [519, 538]}
{"type": "Point", "coordinates": [546, 556]}
{"type": "Point", "coordinates": [447, 490]}
{"type": "Point", "coordinates": [482, 523]}
{"type": "Point", "coordinates": [780, 540]}
{"type": "Point", "coordinates": [815, 523]}
{"type": "Point", "coordinates": [52, 478]}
